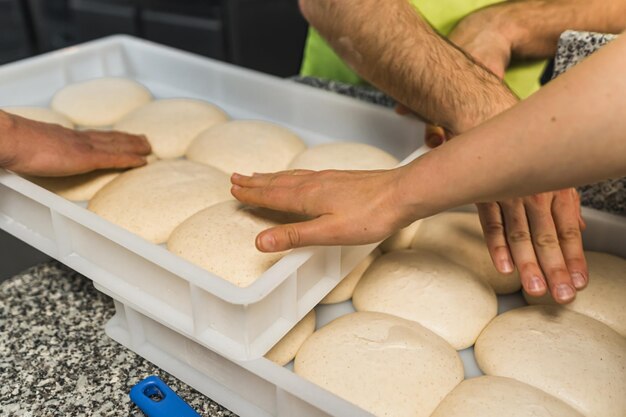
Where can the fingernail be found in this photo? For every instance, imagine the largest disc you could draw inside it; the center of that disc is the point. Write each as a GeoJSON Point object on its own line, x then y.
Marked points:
{"type": "Point", "coordinates": [506, 266]}
{"type": "Point", "coordinates": [536, 285]}
{"type": "Point", "coordinates": [267, 242]}
{"type": "Point", "coordinates": [235, 176]}
{"type": "Point", "coordinates": [564, 292]}
{"type": "Point", "coordinates": [235, 188]}
{"type": "Point", "coordinates": [579, 280]}
{"type": "Point", "coordinates": [434, 141]}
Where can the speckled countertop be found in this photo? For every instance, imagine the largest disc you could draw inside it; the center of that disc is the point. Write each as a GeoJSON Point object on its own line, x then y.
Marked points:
{"type": "Point", "coordinates": [55, 359]}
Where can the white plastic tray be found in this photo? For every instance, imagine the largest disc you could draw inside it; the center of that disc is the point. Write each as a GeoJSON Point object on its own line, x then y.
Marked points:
{"type": "Point", "coordinates": [240, 323]}
{"type": "Point", "coordinates": [262, 388]}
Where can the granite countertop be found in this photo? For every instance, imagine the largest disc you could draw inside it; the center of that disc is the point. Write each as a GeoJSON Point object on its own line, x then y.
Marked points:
{"type": "Point", "coordinates": [56, 360]}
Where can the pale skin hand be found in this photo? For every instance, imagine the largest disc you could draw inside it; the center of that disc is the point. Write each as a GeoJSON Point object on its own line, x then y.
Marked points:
{"type": "Point", "coordinates": [44, 149]}
{"type": "Point", "coordinates": [532, 141]}
{"type": "Point", "coordinates": [431, 94]}
{"type": "Point", "coordinates": [507, 225]}
{"type": "Point", "coordinates": [334, 221]}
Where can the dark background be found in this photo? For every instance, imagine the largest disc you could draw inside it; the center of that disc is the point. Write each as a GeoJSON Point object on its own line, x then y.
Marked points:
{"type": "Point", "coordinates": [265, 35]}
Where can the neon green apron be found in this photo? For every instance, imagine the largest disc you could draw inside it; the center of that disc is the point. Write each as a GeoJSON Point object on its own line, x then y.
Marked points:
{"type": "Point", "coordinates": [321, 61]}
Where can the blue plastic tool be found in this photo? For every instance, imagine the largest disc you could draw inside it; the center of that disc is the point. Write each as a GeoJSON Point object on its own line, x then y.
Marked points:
{"type": "Point", "coordinates": [155, 399]}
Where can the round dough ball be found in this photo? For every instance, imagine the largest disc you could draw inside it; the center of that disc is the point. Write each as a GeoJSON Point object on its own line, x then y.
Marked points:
{"type": "Point", "coordinates": [246, 147]}
{"type": "Point", "coordinates": [77, 187]}
{"type": "Point", "coordinates": [100, 102]}
{"type": "Point", "coordinates": [40, 114]}
{"type": "Point", "coordinates": [285, 350]}
{"type": "Point", "coordinates": [492, 396]}
{"type": "Point", "coordinates": [344, 156]}
{"type": "Point", "coordinates": [459, 237]}
{"type": "Point", "coordinates": [172, 124]}
{"type": "Point", "coordinates": [153, 200]}
{"type": "Point", "coordinates": [344, 290]}
{"type": "Point", "coordinates": [429, 289]}
{"type": "Point", "coordinates": [568, 355]}
{"type": "Point", "coordinates": [604, 298]}
{"type": "Point", "coordinates": [386, 365]}
{"type": "Point", "coordinates": [402, 239]}
{"type": "Point", "coordinates": [221, 239]}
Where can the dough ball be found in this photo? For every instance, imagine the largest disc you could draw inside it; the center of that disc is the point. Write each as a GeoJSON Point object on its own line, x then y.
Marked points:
{"type": "Point", "coordinates": [77, 187]}
{"type": "Point", "coordinates": [81, 187]}
{"type": "Point", "coordinates": [344, 290]}
{"type": "Point", "coordinates": [384, 364]}
{"type": "Point", "coordinates": [492, 396]}
{"type": "Point", "coordinates": [40, 114]}
{"type": "Point", "coordinates": [172, 124]}
{"type": "Point", "coordinates": [459, 237]}
{"type": "Point", "coordinates": [604, 298]}
{"type": "Point", "coordinates": [429, 289]}
{"type": "Point", "coordinates": [285, 350]}
{"type": "Point", "coordinates": [402, 239]}
{"type": "Point", "coordinates": [153, 200]}
{"type": "Point", "coordinates": [100, 102]}
{"type": "Point", "coordinates": [568, 355]}
{"type": "Point", "coordinates": [246, 147]}
{"type": "Point", "coordinates": [344, 156]}
{"type": "Point", "coordinates": [221, 239]}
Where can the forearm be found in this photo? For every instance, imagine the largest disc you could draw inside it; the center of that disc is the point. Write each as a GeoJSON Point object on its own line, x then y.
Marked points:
{"type": "Point", "coordinates": [571, 132]}
{"type": "Point", "coordinates": [533, 27]}
{"type": "Point", "coordinates": [7, 143]}
{"type": "Point", "coordinates": [396, 50]}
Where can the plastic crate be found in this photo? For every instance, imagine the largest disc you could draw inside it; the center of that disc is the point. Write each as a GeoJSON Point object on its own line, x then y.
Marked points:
{"type": "Point", "coordinates": [240, 323]}
{"type": "Point", "coordinates": [262, 388]}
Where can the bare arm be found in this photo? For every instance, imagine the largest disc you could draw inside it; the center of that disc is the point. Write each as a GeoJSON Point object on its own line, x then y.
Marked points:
{"type": "Point", "coordinates": [392, 47]}
{"type": "Point", "coordinates": [532, 27]}
{"type": "Point", "coordinates": [571, 132]}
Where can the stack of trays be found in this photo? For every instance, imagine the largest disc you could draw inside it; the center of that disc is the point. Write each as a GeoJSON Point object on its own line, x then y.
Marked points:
{"type": "Point", "coordinates": [200, 328]}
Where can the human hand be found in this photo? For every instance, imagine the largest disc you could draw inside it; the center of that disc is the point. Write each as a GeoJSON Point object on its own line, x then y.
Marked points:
{"type": "Point", "coordinates": [345, 207]}
{"type": "Point", "coordinates": [541, 235]}
{"type": "Point", "coordinates": [484, 41]}
{"type": "Point", "coordinates": [44, 149]}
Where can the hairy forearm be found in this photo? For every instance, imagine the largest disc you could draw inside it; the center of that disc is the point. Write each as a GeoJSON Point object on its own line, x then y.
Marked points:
{"type": "Point", "coordinates": [571, 132]}
{"type": "Point", "coordinates": [533, 27]}
{"type": "Point", "coordinates": [396, 50]}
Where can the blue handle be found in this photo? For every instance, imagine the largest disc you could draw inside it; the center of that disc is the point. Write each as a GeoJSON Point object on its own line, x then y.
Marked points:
{"type": "Point", "coordinates": [156, 399]}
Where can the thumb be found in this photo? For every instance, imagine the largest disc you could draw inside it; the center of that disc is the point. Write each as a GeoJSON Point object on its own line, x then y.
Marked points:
{"type": "Point", "coordinates": [319, 231]}
{"type": "Point", "coordinates": [434, 136]}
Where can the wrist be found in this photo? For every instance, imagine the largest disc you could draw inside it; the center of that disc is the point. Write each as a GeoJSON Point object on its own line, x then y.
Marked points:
{"type": "Point", "coordinates": [511, 21]}
{"type": "Point", "coordinates": [419, 191]}
{"type": "Point", "coordinates": [504, 19]}
{"type": "Point", "coordinates": [8, 145]}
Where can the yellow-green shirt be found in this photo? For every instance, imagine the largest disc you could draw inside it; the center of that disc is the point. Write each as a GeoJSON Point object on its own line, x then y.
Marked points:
{"type": "Point", "coordinates": [321, 61]}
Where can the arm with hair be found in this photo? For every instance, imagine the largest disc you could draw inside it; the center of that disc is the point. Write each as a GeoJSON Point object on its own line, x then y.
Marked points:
{"type": "Point", "coordinates": [530, 29]}
{"type": "Point", "coordinates": [395, 49]}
